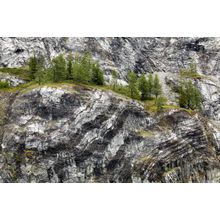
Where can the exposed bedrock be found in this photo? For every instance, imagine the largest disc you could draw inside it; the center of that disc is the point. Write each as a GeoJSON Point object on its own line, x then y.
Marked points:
{"type": "Point", "coordinates": [75, 134]}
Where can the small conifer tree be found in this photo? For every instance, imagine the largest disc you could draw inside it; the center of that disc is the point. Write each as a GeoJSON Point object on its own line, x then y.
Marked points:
{"type": "Point", "coordinates": [132, 85]}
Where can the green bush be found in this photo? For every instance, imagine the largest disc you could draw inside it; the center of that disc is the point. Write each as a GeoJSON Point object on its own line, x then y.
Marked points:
{"type": "Point", "coordinates": [4, 84]}
{"type": "Point", "coordinates": [160, 102]}
{"type": "Point", "coordinates": [189, 96]}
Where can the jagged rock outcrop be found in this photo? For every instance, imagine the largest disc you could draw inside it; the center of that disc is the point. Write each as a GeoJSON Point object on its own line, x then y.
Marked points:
{"type": "Point", "coordinates": [67, 133]}
{"type": "Point", "coordinates": [76, 134]}
{"type": "Point", "coordinates": [125, 54]}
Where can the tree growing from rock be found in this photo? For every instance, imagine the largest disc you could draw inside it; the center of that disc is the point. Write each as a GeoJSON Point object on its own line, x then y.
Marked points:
{"type": "Point", "coordinates": [143, 86]}
{"type": "Point", "coordinates": [132, 85]}
{"type": "Point", "coordinates": [160, 101]}
{"type": "Point", "coordinates": [97, 75]}
{"type": "Point", "coordinates": [35, 65]}
{"type": "Point", "coordinates": [156, 90]}
{"type": "Point", "coordinates": [69, 66]}
{"type": "Point", "coordinates": [59, 68]}
{"type": "Point", "coordinates": [189, 96]}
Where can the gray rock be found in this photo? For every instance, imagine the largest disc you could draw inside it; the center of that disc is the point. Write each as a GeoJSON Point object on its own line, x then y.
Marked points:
{"type": "Point", "coordinates": [11, 79]}
{"type": "Point", "coordinates": [75, 134]}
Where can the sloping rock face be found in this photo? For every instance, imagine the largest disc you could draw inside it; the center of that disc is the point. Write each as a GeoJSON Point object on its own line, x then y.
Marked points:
{"type": "Point", "coordinates": [76, 134]}
{"type": "Point", "coordinates": [125, 54]}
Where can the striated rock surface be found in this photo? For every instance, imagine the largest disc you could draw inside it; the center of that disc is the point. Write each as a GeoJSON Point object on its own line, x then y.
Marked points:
{"type": "Point", "coordinates": [66, 133]}
{"type": "Point", "coordinates": [125, 54]}
{"type": "Point", "coordinates": [76, 134]}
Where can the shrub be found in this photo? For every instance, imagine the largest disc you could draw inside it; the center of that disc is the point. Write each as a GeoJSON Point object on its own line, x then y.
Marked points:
{"type": "Point", "coordinates": [160, 102]}
{"type": "Point", "coordinates": [189, 96]}
{"type": "Point", "coordinates": [4, 84]}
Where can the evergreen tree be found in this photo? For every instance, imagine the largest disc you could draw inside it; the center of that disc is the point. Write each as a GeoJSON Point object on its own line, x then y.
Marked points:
{"type": "Point", "coordinates": [132, 85]}
{"type": "Point", "coordinates": [69, 66]}
{"type": "Point", "coordinates": [160, 101]}
{"type": "Point", "coordinates": [189, 96]}
{"type": "Point", "coordinates": [82, 68]}
{"type": "Point", "coordinates": [156, 90]}
{"type": "Point", "coordinates": [97, 75]}
{"type": "Point", "coordinates": [40, 77]}
{"type": "Point", "coordinates": [33, 66]}
{"type": "Point", "coordinates": [59, 68]}
{"type": "Point", "coordinates": [143, 86]}
{"type": "Point", "coordinates": [36, 64]}
{"type": "Point", "coordinates": [150, 83]}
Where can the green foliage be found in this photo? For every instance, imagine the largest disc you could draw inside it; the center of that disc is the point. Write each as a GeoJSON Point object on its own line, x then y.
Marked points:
{"type": "Point", "coordinates": [190, 72]}
{"type": "Point", "coordinates": [4, 84]}
{"type": "Point", "coordinates": [69, 66]}
{"type": "Point", "coordinates": [149, 87]}
{"type": "Point", "coordinates": [36, 65]}
{"type": "Point", "coordinates": [33, 66]}
{"type": "Point", "coordinates": [156, 90]}
{"type": "Point", "coordinates": [85, 70]}
{"type": "Point", "coordinates": [189, 96]}
{"type": "Point", "coordinates": [22, 72]}
{"type": "Point", "coordinates": [82, 69]}
{"type": "Point", "coordinates": [133, 85]}
{"type": "Point", "coordinates": [124, 90]}
{"type": "Point", "coordinates": [43, 76]}
{"type": "Point", "coordinates": [97, 75]}
{"type": "Point", "coordinates": [160, 102]}
{"type": "Point", "coordinates": [150, 83]}
{"type": "Point", "coordinates": [59, 69]}
{"type": "Point", "coordinates": [143, 86]}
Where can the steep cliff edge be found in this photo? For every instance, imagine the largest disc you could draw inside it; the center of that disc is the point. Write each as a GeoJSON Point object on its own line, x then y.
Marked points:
{"type": "Point", "coordinates": [76, 134]}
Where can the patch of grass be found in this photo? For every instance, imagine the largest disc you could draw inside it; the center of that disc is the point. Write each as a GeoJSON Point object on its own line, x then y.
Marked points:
{"type": "Point", "coordinates": [4, 84]}
{"type": "Point", "coordinates": [2, 112]}
{"type": "Point", "coordinates": [22, 72]}
{"type": "Point", "coordinates": [191, 75]}
{"type": "Point", "coordinates": [145, 134]}
{"type": "Point", "coordinates": [150, 106]}
{"type": "Point", "coordinates": [146, 159]}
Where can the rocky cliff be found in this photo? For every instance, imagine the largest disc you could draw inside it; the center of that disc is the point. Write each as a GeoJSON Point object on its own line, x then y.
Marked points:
{"type": "Point", "coordinates": [70, 133]}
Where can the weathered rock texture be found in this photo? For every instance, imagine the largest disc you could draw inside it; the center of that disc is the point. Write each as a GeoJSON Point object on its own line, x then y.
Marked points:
{"type": "Point", "coordinates": [75, 134]}
{"type": "Point", "coordinates": [125, 54]}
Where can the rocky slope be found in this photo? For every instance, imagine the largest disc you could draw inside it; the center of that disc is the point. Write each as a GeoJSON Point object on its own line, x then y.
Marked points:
{"type": "Point", "coordinates": [76, 134]}
{"type": "Point", "coordinates": [66, 133]}
{"type": "Point", "coordinates": [125, 54]}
